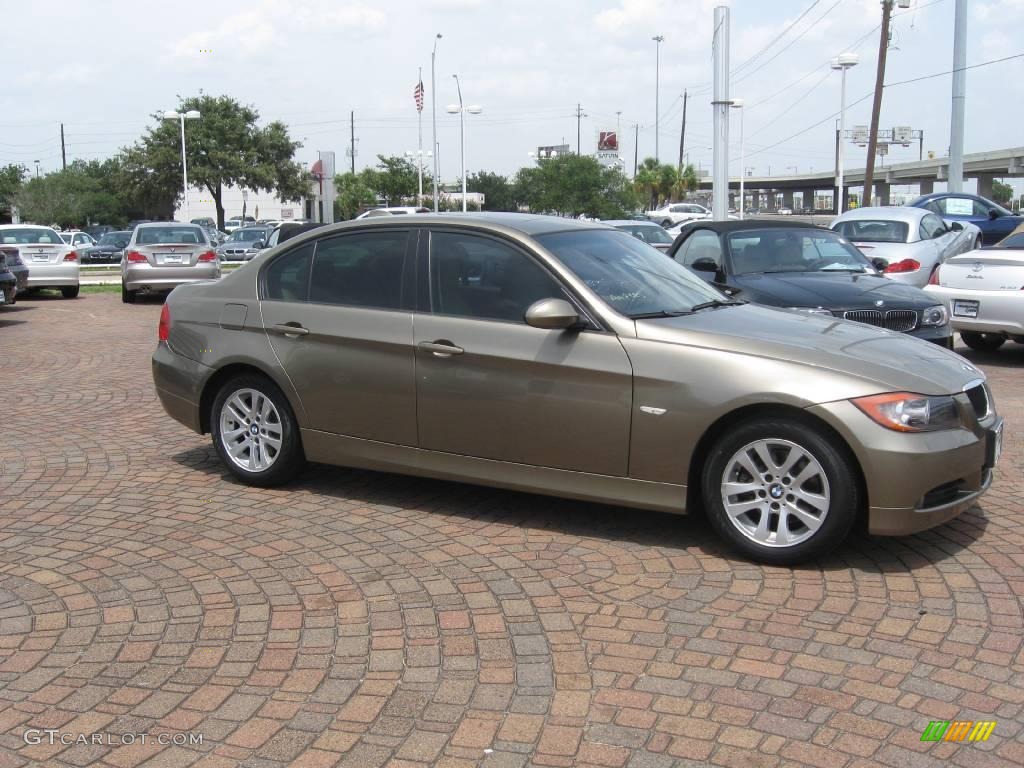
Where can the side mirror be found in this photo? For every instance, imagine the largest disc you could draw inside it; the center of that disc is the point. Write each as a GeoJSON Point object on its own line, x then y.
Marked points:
{"type": "Point", "coordinates": [993, 213]}
{"type": "Point", "coordinates": [879, 264]}
{"type": "Point", "coordinates": [552, 314]}
{"type": "Point", "coordinates": [956, 226]}
{"type": "Point", "coordinates": [704, 265]}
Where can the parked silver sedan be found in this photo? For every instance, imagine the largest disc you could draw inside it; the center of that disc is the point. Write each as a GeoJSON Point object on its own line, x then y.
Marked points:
{"type": "Point", "coordinates": [163, 255]}
{"type": "Point", "coordinates": [906, 243]}
{"type": "Point", "coordinates": [52, 263]}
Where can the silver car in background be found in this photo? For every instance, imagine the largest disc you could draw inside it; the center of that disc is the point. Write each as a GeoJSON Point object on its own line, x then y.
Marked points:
{"type": "Point", "coordinates": [52, 263]}
{"type": "Point", "coordinates": [905, 243]}
{"type": "Point", "coordinates": [244, 243]}
{"type": "Point", "coordinates": [163, 255]}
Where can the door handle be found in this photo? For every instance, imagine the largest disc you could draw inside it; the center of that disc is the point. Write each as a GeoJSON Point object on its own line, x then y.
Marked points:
{"type": "Point", "coordinates": [289, 329]}
{"type": "Point", "coordinates": [440, 348]}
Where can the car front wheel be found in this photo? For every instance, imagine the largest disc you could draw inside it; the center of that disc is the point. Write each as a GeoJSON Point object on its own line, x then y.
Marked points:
{"type": "Point", "coordinates": [982, 342]}
{"type": "Point", "coordinates": [255, 432]}
{"type": "Point", "coordinates": [780, 491]}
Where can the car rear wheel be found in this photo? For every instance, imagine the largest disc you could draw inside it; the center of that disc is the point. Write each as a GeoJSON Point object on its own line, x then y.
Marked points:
{"type": "Point", "coordinates": [69, 292]}
{"type": "Point", "coordinates": [128, 297]}
{"type": "Point", "coordinates": [255, 432]}
{"type": "Point", "coordinates": [982, 342]}
{"type": "Point", "coordinates": [780, 491]}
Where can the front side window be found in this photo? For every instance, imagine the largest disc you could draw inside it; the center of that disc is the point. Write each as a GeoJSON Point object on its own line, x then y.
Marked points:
{"type": "Point", "coordinates": [287, 276]}
{"type": "Point", "coordinates": [360, 270]}
{"type": "Point", "coordinates": [631, 277]}
{"type": "Point", "coordinates": [474, 276]}
{"type": "Point", "coordinates": [702, 245]}
{"type": "Point", "coordinates": [932, 226]}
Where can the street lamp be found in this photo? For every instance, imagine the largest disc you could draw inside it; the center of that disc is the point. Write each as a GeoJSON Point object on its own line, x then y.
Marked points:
{"type": "Point", "coordinates": [738, 104]}
{"type": "Point", "coordinates": [183, 116]}
{"type": "Point", "coordinates": [658, 40]}
{"type": "Point", "coordinates": [461, 111]}
{"type": "Point", "coordinates": [433, 115]}
{"type": "Point", "coordinates": [842, 62]}
{"type": "Point", "coordinates": [419, 154]}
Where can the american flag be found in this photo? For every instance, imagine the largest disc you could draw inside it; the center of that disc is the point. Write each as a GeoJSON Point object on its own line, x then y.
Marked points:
{"type": "Point", "coordinates": [417, 94]}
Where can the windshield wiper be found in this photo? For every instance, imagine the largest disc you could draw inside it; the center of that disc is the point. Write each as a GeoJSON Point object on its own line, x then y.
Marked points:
{"type": "Point", "coordinates": [660, 313]}
{"type": "Point", "coordinates": [715, 304]}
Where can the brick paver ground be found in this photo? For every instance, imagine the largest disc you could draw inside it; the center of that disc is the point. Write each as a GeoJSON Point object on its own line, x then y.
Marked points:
{"type": "Point", "coordinates": [364, 619]}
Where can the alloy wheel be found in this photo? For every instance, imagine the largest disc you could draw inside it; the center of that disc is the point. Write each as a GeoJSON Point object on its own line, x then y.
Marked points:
{"type": "Point", "coordinates": [250, 430]}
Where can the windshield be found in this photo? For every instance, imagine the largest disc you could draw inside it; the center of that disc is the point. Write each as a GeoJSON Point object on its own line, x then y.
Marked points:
{"type": "Point", "coordinates": [29, 236]}
{"type": "Point", "coordinates": [871, 231]}
{"type": "Point", "coordinates": [629, 276]}
{"type": "Point", "coordinates": [120, 239]}
{"type": "Point", "coordinates": [248, 235]}
{"type": "Point", "coordinates": [649, 234]}
{"type": "Point", "coordinates": [794, 250]}
{"type": "Point", "coordinates": [169, 235]}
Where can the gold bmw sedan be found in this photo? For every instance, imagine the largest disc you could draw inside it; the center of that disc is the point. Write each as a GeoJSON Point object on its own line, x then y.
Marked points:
{"type": "Point", "coordinates": [567, 358]}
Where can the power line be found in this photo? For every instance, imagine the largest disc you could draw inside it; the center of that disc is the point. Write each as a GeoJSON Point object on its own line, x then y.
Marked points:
{"type": "Point", "coordinates": [775, 39]}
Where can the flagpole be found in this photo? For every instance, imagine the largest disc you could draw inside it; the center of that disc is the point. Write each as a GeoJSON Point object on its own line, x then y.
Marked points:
{"type": "Point", "coordinates": [419, 155]}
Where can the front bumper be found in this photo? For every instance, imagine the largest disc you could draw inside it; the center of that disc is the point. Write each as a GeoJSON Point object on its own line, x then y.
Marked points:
{"type": "Point", "coordinates": [937, 334]}
{"type": "Point", "coordinates": [138, 277]}
{"type": "Point", "coordinates": [915, 481]}
{"type": "Point", "coordinates": [179, 385]}
{"type": "Point", "coordinates": [998, 311]}
{"type": "Point", "coordinates": [59, 275]}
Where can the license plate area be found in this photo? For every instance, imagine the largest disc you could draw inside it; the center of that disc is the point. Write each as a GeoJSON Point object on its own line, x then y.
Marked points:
{"type": "Point", "coordinates": [965, 308]}
{"type": "Point", "coordinates": [172, 259]}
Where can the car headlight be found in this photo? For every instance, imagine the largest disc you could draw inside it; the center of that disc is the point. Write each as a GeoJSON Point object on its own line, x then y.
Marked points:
{"type": "Point", "coordinates": [812, 310]}
{"type": "Point", "coordinates": [937, 315]}
{"type": "Point", "coordinates": [909, 412]}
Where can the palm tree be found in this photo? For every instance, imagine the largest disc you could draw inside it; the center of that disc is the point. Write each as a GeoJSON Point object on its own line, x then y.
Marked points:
{"type": "Point", "coordinates": [646, 181]}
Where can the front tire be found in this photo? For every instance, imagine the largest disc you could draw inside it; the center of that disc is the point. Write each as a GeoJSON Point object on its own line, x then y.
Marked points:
{"type": "Point", "coordinates": [780, 491]}
{"type": "Point", "coordinates": [982, 342]}
{"type": "Point", "coordinates": [255, 432]}
{"type": "Point", "coordinates": [69, 292]}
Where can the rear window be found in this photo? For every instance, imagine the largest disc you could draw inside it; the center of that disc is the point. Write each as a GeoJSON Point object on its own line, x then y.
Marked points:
{"type": "Point", "coordinates": [30, 236]}
{"type": "Point", "coordinates": [1013, 241]}
{"type": "Point", "coordinates": [870, 231]}
{"type": "Point", "coordinates": [169, 235]}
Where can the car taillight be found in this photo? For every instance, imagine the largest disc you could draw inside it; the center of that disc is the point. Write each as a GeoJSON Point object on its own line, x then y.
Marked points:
{"type": "Point", "coordinates": [134, 256]}
{"type": "Point", "coordinates": [72, 256]}
{"type": "Point", "coordinates": [934, 279]}
{"type": "Point", "coordinates": [207, 256]}
{"type": "Point", "coordinates": [164, 328]}
{"type": "Point", "coordinates": [907, 265]}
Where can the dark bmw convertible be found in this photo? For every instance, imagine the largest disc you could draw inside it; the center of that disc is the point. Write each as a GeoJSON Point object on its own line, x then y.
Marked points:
{"type": "Point", "coordinates": [804, 267]}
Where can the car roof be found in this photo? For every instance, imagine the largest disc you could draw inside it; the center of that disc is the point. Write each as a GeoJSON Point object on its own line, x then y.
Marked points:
{"type": "Point", "coordinates": [530, 224]}
{"type": "Point", "coordinates": [902, 213]}
{"type": "Point", "coordinates": [26, 226]}
{"type": "Point", "coordinates": [151, 224]}
{"type": "Point", "coordinates": [737, 225]}
{"type": "Point", "coordinates": [630, 223]}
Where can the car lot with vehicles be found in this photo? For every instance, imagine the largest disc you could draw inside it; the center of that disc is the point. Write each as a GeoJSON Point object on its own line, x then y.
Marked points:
{"type": "Point", "coordinates": [911, 242]}
{"type": "Point", "coordinates": [163, 255]}
{"type": "Point", "coordinates": [52, 263]}
{"type": "Point", "coordinates": [244, 243]}
{"type": "Point", "coordinates": [800, 266]}
{"type": "Point", "coordinates": [109, 249]}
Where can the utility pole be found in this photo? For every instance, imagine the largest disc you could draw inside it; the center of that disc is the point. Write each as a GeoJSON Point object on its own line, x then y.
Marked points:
{"type": "Point", "coordinates": [579, 117]}
{"type": "Point", "coordinates": [682, 133]}
{"type": "Point", "coordinates": [956, 121]}
{"type": "Point", "coordinates": [658, 40]}
{"type": "Point", "coordinates": [721, 104]}
{"type": "Point", "coordinates": [63, 154]}
{"type": "Point", "coordinates": [876, 107]}
{"type": "Point", "coordinates": [636, 146]}
{"type": "Point", "coordinates": [352, 147]}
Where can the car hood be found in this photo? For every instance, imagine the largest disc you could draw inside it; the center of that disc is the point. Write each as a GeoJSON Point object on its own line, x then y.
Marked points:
{"type": "Point", "coordinates": [841, 290]}
{"type": "Point", "coordinates": [886, 359]}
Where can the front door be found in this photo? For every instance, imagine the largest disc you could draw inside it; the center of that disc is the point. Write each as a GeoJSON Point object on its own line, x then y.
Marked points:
{"type": "Point", "coordinates": [491, 386]}
{"type": "Point", "coordinates": [339, 317]}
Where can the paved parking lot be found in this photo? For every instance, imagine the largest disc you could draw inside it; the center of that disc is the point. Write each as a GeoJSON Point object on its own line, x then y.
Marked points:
{"type": "Point", "coordinates": [365, 619]}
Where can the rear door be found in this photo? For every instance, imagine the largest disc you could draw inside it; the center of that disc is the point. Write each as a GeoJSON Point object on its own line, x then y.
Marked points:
{"type": "Point", "coordinates": [338, 312]}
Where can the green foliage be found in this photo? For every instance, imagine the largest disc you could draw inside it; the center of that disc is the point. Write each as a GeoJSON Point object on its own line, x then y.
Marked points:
{"type": "Point", "coordinates": [574, 185]}
{"type": "Point", "coordinates": [226, 147]}
{"type": "Point", "coordinates": [394, 179]}
{"type": "Point", "coordinates": [84, 192]}
{"type": "Point", "coordinates": [496, 189]}
{"type": "Point", "coordinates": [11, 178]}
{"type": "Point", "coordinates": [354, 194]}
{"type": "Point", "coordinates": [657, 183]}
{"type": "Point", "coordinates": [1001, 193]}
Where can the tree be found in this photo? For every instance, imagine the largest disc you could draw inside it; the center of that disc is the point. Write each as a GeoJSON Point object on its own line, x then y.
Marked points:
{"type": "Point", "coordinates": [645, 181]}
{"type": "Point", "coordinates": [1001, 193]}
{"type": "Point", "coordinates": [226, 147]}
{"type": "Point", "coordinates": [574, 185]}
{"type": "Point", "coordinates": [11, 178]}
{"type": "Point", "coordinates": [395, 178]}
{"type": "Point", "coordinates": [83, 192]}
{"type": "Point", "coordinates": [497, 192]}
{"type": "Point", "coordinates": [354, 194]}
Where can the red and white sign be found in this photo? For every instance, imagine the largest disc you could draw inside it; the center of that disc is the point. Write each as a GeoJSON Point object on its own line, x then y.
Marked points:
{"type": "Point", "coordinates": [608, 141]}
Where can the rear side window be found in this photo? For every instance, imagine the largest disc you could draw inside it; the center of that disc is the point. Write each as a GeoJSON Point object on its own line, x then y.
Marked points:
{"type": "Point", "coordinates": [287, 277]}
{"type": "Point", "coordinates": [360, 270]}
{"type": "Point", "coordinates": [932, 226]}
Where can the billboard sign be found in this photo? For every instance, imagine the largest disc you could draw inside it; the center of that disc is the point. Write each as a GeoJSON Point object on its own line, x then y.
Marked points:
{"type": "Point", "coordinates": [608, 141]}
{"type": "Point", "coordinates": [554, 150]}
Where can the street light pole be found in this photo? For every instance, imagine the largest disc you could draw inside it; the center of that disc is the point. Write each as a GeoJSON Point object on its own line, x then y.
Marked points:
{"type": "Point", "coordinates": [183, 116]}
{"type": "Point", "coordinates": [433, 115]}
{"type": "Point", "coordinates": [842, 62]}
{"type": "Point", "coordinates": [462, 110]}
{"type": "Point", "coordinates": [658, 40]}
{"type": "Point", "coordinates": [738, 104]}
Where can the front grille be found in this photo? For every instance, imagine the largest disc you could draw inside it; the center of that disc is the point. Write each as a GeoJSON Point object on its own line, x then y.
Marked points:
{"type": "Point", "coordinates": [979, 400]}
{"type": "Point", "coordinates": [893, 319]}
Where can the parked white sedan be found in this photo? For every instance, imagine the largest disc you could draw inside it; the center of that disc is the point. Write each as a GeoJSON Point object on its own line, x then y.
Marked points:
{"type": "Point", "coordinates": [984, 291]}
{"type": "Point", "coordinates": [672, 214]}
{"type": "Point", "coordinates": [911, 242]}
{"type": "Point", "coordinates": [51, 262]}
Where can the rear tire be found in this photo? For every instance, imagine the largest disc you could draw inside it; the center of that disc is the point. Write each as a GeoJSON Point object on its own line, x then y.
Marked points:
{"type": "Point", "coordinates": [800, 506]}
{"type": "Point", "coordinates": [69, 291]}
{"type": "Point", "coordinates": [272, 455]}
{"type": "Point", "coordinates": [128, 297]}
{"type": "Point", "coordinates": [982, 342]}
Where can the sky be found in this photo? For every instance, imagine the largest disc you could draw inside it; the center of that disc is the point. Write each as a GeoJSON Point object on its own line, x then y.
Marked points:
{"type": "Point", "coordinates": [103, 67]}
